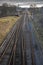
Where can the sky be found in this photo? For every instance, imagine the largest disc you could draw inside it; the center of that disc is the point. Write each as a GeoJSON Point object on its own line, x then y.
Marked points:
{"type": "Point", "coordinates": [22, 0]}
{"type": "Point", "coordinates": [23, 3]}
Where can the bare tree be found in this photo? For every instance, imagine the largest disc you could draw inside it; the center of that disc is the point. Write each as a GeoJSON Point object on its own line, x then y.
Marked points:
{"type": "Point", "coordinates": [4, 9]}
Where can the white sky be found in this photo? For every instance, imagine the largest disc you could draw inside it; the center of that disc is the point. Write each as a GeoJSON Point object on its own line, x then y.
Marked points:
{"type": "Point", "coordinates": [27, 6]}
{"type": "Point", "coordinates": [23, 5]}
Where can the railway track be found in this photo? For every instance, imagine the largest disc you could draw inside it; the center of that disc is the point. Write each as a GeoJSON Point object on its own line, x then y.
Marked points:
{"type": "Point", "coordinates": [18, 47]}
{"type": "Point", "coordinates": [21, 46]}
{"type": "Point", "coordinates": [38, 50]}
{"type": "Point", "coordinates": [6, 49]}
{"type": "Point", "coordinates": [28, 53]}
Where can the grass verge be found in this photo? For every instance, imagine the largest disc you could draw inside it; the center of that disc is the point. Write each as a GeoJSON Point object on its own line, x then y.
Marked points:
{"type": "Point", "coordinates": [6, 23]}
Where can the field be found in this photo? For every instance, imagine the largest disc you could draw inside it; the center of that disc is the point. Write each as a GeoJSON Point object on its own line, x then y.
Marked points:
{"type": "Point", "coordinates": [6, 24]}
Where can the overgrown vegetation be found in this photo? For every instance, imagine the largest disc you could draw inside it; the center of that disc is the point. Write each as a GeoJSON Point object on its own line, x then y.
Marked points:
{"type": "Point", "coordinates": [38, 23]}
{"type": "Point", "coordinates": [7, 10]}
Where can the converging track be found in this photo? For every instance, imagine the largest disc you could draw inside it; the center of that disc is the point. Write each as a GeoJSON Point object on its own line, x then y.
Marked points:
{"type": "Point", "coordinates": [21, 46]}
